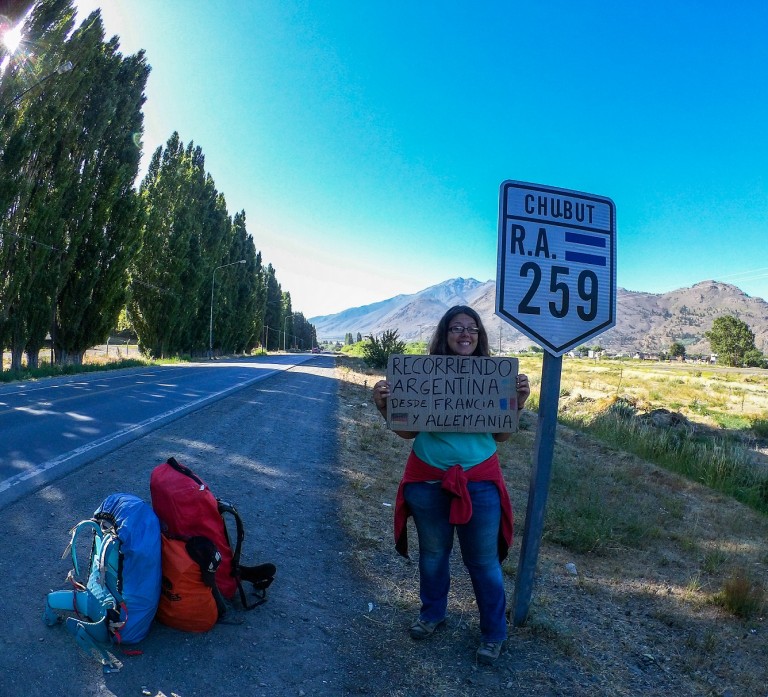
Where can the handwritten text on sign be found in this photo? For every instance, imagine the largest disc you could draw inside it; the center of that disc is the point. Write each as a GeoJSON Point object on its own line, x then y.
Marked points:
{"type": "Point", "coordinates": [470, 394]}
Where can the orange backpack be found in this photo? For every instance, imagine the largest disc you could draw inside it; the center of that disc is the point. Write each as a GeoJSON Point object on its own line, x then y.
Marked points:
{"type": "Point", "coordinates": [189, 598]}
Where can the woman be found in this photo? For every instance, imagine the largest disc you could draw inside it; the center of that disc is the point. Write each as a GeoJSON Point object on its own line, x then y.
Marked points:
{"type": "Point", "coordinates": [441, 461]}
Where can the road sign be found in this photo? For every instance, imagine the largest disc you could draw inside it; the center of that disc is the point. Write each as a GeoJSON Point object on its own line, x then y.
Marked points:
{"type": "Point", "coordinates": [556, 273]}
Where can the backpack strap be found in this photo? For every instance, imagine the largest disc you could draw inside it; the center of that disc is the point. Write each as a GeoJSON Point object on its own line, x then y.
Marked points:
{"type": "Point", "coordinates": [109, 562]}
{"type": "Point", "coordinates": [237, 548]}
{"type": "Point", "coordinates": [260, 576]}
{"type": "Point", "coordinates": [182, 469]}
{"type": "Point", "coordinates": [75, 532]}
{"type": "Point", "coordinates": [205, 554]}
{"type": "Point", "coordinates": [110, 558]}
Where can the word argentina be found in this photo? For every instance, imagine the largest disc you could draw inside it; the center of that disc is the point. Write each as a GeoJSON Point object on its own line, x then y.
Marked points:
{"type": "Point", "coordinates": [469, 394]}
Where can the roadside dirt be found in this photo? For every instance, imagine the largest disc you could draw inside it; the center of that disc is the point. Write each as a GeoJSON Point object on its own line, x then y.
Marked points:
{"type": "Point", "coordinates": [623, 621]}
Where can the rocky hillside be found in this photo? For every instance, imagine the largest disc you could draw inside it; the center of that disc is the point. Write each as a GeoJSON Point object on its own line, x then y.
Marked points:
{"type": "Point", "coordinates": [646, 322]}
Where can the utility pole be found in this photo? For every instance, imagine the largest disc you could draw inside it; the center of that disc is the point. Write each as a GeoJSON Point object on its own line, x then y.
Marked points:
{"type": "Point", "coordinates": [213, 283]}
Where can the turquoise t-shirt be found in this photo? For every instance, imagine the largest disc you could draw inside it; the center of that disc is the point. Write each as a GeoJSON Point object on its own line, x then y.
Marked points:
{"type": "Point", "coordinates": [446, 449]}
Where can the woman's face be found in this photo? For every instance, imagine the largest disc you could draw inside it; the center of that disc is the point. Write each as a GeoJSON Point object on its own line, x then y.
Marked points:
{"type": "Point", "coordinates": [464, 343]}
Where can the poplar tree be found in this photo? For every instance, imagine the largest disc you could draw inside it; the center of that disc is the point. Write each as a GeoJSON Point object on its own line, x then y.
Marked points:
{"type": "Point", "coordinates": [304, 332]}
{"type": "Point", "coordinates": [170, 279]}
{"type": "Point", "coordinates": [244, 326]}
{"type": "Point", "coordinates": [179, 290]}
{"type": "Point", "coordinates": [215, 248]}
{"type": "Point", "coordinates": [272, 310]}
{"type": "Point", "coordinates": [69, 162]}
{"type": "Point", "coordinates": [102, 216]}
{"type": "Point", "coordinates": [31, 103]}
{"type": "Point", "coordinates": [286, 325]}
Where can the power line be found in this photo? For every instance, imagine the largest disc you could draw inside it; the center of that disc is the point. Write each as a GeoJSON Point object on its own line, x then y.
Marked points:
{"type": "Point", "coordinates": [164, 291]}
{"type": "Point", "coordinates": [32, 240]}
{"type": "Point", "coordinates": [762, 273]}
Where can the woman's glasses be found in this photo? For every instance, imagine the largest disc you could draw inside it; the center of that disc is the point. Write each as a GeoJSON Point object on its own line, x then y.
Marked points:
{"type": "Point", "coordinates": [458, 329]}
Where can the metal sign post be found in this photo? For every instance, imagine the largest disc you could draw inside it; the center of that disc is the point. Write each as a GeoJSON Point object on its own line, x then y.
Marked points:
{"type": "Point", "coordinates": [556, 283]}
{"type": "Point", "coordinates": [538, 488]}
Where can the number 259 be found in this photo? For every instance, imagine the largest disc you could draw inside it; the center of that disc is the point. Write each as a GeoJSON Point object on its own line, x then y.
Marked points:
{"type": "Point", "coordinates": [587, 289]}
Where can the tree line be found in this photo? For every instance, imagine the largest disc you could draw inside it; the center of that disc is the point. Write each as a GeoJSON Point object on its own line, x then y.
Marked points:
{"type": "Point", "coordinates": [730, 338]}
{"type": "Point", "coordinates": [81, 248]}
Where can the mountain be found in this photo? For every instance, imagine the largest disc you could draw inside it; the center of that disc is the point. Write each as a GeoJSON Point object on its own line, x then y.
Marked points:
{"type": "Point", "coordinates": [645, 322]}
{"type": "Point", "coordinates": [651, 322]}
{"type": "Point", "coordinates": [409, 314]}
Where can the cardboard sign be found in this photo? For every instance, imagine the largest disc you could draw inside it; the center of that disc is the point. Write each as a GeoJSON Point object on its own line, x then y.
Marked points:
{"type": "Point", "coordinates": [468, 394]}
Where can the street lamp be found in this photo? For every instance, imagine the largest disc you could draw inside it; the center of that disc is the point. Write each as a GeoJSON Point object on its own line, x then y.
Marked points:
{"type": "Point", "coordinates": [213, 282]}
{"type": "Point", "coordinates": [285, 333]}
{"type": "Point", "coordinates": [420, 328]}
{"type": "Point", "coordinates": [63, 68]}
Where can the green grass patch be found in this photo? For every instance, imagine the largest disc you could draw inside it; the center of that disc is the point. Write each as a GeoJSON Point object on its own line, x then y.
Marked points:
{"type": "Point", "coordinates": [714, 561]}
{"type": "Point", "coordinates": [589, 510]}
{"type": "Point", "coordinates": [731, 421]}
{"type": "Point", "coordinates": [759, 427]}
{"type": "Point", "coordinates": [51, 371]}
{"type": "Point", "coordinates": [720, 463]}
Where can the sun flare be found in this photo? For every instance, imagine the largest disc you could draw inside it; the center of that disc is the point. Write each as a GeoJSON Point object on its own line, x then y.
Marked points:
{"type": "Point", "coordinates": [12, 38]}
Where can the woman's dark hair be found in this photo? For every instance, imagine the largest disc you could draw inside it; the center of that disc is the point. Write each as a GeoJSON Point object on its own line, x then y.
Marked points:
{"type": "Point", "coordinates": [438, 346]}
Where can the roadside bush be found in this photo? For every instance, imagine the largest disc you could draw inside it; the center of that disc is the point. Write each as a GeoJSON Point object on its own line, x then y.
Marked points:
{"type": "Point", "coordinates": [376, 352]}
{"type": "Point", "coordinates": [742, 596]}
{"type": "Point", "coordinates": [760, 427]}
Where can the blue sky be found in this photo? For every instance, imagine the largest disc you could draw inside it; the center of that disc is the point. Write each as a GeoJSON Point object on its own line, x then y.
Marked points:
{"type": "Point", "coordinates": [366, 141]}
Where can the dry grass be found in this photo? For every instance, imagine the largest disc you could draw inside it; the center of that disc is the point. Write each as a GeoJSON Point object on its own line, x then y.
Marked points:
{"type": "Point", "coordinates": [669, 595]}
{"type": "Point", "coordinates": [709, 394]}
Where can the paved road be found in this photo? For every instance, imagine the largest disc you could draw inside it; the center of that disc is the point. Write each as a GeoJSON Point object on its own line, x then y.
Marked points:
{"type": "Point", "coordinates": [271, 449]}
{"type": "Point", "coordinates": [51, 427]}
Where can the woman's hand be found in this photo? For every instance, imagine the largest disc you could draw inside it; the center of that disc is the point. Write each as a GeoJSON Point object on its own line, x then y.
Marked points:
{"type": "Point", "coordinates": [381, 395]}
{"type": "Point", "coordinates": [523, 390]}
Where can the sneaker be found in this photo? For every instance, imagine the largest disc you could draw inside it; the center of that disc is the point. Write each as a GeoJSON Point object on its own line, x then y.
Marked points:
{"type": "Point", "coordinates": [488, 652]}
{"type": "Point", "coordinates": [422, 630]}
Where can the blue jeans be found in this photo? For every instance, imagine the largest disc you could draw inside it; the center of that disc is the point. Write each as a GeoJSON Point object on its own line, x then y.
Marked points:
{"type": "Point", "coordinates": [478, 540]}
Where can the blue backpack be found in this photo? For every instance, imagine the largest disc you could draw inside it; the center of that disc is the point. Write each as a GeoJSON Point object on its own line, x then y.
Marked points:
{"type": "Point", "coordinates": [117, 603]}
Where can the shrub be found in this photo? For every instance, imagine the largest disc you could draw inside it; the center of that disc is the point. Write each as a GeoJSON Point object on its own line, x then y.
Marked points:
{"type": "Point", "coordinates": [376, 352]}
{"type": "Point", "coordinates": [760, 427]}
{"type": "Point", "coordinates": [742, 596]}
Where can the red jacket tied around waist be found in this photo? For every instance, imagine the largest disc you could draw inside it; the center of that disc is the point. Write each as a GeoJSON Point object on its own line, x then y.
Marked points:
{"type": "Point", "coordinates": [454, 481]}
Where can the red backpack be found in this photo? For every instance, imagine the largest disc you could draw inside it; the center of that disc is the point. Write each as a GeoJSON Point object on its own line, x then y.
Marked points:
{"type": "Point", "coordinates": [187, 508]}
